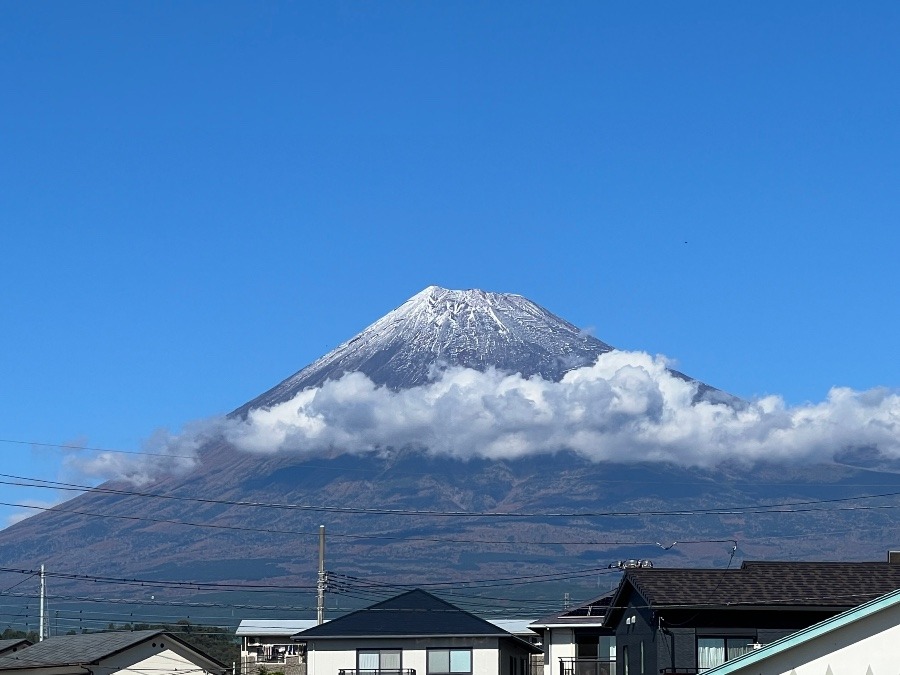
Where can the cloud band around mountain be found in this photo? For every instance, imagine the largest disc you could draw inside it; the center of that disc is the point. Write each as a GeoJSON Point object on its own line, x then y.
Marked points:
{"type": "Point", "coordinates": [627, 407]}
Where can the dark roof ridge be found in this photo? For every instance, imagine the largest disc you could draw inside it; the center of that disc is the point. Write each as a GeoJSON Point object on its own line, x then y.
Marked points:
{"type": "Point", "coordinates": [414, 613]}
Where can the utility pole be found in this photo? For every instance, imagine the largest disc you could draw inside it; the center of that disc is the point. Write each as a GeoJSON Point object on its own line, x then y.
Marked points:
{"type": "Point", "coordinates": [41, 622]}
{"type": "Point", "coordinates": [320, 583]}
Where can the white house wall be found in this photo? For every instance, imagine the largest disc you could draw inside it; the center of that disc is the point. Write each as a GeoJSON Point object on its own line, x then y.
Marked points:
{"type": "Point", "coordinates": [327, 657]}
{"type": "Point", "coordinates": [144, 659]}
{"type": "Point", "coordinates": [559, 644]}
{"type": "Point", "coordinates": [870, 646]}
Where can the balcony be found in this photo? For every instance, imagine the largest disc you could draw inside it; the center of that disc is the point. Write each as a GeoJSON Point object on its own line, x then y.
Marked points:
{"type": "Point", "coordinates": [380, 671]}
{"type": "Point", "coordinates": [582, 666]}
{"type": "Point", "coordinates": [273, 653]}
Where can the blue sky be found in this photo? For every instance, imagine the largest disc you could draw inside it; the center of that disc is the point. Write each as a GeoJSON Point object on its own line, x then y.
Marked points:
{"type": "Point", "coordinates": [200, 198]}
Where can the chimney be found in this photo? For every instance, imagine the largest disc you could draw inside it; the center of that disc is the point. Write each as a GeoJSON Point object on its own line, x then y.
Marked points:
{"type": "Point", "coordinates": [894, 557]}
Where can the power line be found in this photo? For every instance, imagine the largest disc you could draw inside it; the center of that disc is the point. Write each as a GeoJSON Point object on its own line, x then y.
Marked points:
{"type": "Point", "coordinates": [630, 481]}
{"type": "Point", "coordinates": [727, 510]}
{"type": "Point", "coordinates": [64, 446]}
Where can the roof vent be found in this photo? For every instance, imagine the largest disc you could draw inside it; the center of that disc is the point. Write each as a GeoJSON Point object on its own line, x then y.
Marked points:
{"type": "Point", "coordinates": [894, 556]}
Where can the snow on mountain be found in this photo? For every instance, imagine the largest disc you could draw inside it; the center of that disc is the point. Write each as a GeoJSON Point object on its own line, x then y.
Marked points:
{"type": "Point", "coordinates": [438, 328]}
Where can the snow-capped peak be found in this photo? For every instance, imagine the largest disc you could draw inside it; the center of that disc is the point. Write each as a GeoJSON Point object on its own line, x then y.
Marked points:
{"type": "Point", "coordinates": [439, 327]}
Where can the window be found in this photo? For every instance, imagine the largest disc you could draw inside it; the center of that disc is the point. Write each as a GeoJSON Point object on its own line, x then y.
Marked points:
{"type": "Point", "coordinates": [625, 660]}
{"type": "Point", "coordinates": [378, 660]}
{"type": "Point", "coordinates": [712, 652]}
{"type": "Point", "coordinates": [607, 647]}
{"type": "Point", "coordinates": [642, 657]}
{"type": "Point", "coordinates": [445, 661]}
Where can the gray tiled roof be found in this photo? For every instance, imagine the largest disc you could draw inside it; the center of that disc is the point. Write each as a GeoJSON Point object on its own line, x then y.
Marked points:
{"type": "Point", "coordinates": [798, 584]}
{"type": "Point", "coordinates": [8, 645]}
{"type": "Point", "coordinates": [411, 614]}
{"type": "Point", "coordinates": [74, 649]}
{"type": "Point", "coordinates": [88, 648]}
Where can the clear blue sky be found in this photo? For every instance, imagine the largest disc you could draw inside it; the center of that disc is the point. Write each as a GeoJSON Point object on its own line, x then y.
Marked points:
{"type": "Point", "coordinates": [198, 199]}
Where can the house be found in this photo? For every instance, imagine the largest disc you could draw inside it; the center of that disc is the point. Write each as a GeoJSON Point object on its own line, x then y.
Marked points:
{"type": "Point", "coordinates": [687, 621]}
{"type": "Point", "coordinates": [266, 643]}
{"type": "Point", "coordinates": [142, 652]}
{"type": "Point", "coordinates": [576, 642]}
{"type": "Point", "coordinates": [414, 633]}
{"type": "Point", "coordinates": [521, 628]}
{"type": "Point", "coordinates": [865, 639]}
{"type": "Point", "coordinates": [14, 645]}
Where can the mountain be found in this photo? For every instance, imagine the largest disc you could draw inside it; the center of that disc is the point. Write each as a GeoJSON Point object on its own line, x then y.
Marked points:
{"type": "Point", "coordinates": [245, 517]}
{"type": "Point", "coordinates": [439, 328]}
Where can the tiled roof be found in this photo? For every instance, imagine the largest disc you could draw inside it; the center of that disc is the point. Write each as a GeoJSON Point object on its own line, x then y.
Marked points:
{"type": "Point", "coordinates": [74, 649]}
{"type": "Point", "coordinates": [797, 584]}
{"type": "Point", "coordinates": [412, 614]}
{"type": "Point", "coordinates": [88, 648]}
{"type": "Point", "coordinates": [16, 643]}
{"type": "Point", "coordinates": [273, 626]}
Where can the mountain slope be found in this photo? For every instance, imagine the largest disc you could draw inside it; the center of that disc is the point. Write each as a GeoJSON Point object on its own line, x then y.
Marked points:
{"type": "Point", "coordinates": [224, 536]}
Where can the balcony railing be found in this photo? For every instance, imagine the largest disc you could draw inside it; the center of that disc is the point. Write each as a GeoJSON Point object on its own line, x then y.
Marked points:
{"type": "Point", "coordinates": [276, 657]}
{"type": "Point", "coordinates": [272, 653]}
{"type": "Point", "coordinates": [380, 671]}
{"type": "Point", "coordinates": [582, 666]}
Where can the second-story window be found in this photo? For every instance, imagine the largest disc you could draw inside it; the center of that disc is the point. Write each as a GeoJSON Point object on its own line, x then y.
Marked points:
{"type": "Point", "coordinates": [714, 651]}
{"type": "Point", "coordinates": [375, 661]}
{"type": "Point", "coordinates": [449, 661]}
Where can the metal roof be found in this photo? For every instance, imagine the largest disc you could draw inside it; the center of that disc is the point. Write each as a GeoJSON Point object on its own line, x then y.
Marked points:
{"type": "Point", "coordinates": [590, 613]}
{"type": "Point", "coordinates": [276, 627]}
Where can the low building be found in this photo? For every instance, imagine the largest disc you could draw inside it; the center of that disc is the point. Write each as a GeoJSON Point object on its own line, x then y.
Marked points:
{"type": "Point", "coordinates": [414, 633]}
{"type": "Point", "coordinates": [266, 644]}
{"type": "Point", "coordinates": [576, 641]}
{"type": "Point", "coordinates": [687, 621]}
{"type": "Point", "coordinates": [141, 652]}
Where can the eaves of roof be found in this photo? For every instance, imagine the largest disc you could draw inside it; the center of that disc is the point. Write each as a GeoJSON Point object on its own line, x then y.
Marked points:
{"type": "Point", "coordinates": [584, 622]}
{"type": "Point", "coordinates": [807, 634]}
{"type": "Point", "coordinates": [418, 636]}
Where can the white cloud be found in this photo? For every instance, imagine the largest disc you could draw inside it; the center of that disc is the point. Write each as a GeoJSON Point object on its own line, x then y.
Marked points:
{"type": "Point", "coordinates": [40, 505]}
{"type": "Point", "coordinates": [626, 407]}
{"type": "Point", "coordinates": [164, 454]}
